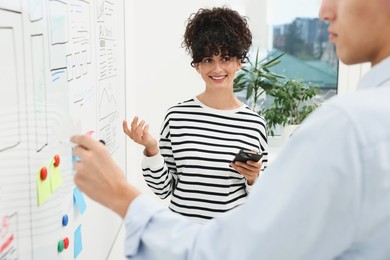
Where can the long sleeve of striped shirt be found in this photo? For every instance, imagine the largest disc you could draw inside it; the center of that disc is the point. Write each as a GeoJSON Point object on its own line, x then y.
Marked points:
{"type": "Point", "coordinates": [197, 144]}
{"type": "Point", "coordinates": [159, 171]}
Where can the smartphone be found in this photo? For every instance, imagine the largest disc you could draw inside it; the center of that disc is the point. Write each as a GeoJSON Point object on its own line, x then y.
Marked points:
{"type": "Point", "coordinates": [246, 155]}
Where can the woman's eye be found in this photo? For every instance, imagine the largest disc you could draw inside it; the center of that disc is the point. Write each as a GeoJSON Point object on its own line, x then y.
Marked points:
{"type": "Point", "coordinates": [207, 60]}
{"type": "Point", "coordinates": [227, 58]}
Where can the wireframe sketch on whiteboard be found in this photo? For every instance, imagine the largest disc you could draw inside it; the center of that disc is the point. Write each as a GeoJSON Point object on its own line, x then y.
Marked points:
{"type": "Point", "coordinates": [9, 95]}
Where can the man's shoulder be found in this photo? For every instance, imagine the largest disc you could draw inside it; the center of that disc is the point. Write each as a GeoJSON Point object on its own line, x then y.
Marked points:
{"type": "Point", "coordinates": [367, 110]}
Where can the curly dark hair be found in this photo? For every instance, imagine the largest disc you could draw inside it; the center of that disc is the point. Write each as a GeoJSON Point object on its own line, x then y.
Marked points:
{"type": "Point", "coordinates": [220, 29]}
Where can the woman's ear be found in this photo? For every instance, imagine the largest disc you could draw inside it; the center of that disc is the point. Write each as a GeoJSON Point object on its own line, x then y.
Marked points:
{"type": "Point", "coordinates": [196, 66]}
{"type": "Point", "coordinates": [239, 65]}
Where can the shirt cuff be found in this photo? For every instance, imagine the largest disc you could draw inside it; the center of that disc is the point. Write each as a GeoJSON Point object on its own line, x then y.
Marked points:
{"type": "Point", "coordinates": [248, 187]}
{"type": "Point", "coordinates": [153, 161]}
{"type": "Point", "coordinates": [138, 215]}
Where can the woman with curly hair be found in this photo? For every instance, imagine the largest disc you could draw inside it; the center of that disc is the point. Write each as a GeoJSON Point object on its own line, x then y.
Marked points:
{"type": "Point", "coordinates": [200, 137]}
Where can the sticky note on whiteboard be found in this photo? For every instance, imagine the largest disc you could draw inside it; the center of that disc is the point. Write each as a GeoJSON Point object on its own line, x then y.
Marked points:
{"type": "Point", "coordinates": [55, 176]}
{"type": "Point", "coordinates": [43, 187]}
{"type": "Point", "coordinates": [78, 242]}
{"type": "Point", "coordinates": [79, 200]}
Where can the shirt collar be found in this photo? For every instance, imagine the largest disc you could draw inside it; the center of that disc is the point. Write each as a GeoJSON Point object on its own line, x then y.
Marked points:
{"type": "Point", "coordinates": [379, 75]}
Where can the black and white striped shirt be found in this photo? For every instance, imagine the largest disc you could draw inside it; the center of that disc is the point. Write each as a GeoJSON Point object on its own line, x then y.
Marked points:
{"type": "Point", "coordinates": [197, 143]}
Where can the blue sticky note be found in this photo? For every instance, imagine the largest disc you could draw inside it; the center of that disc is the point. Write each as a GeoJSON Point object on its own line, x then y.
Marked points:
{"type": "Point", "coordinates": [79, 200]}
{"type": "Point", "coordinates": [78, 242]}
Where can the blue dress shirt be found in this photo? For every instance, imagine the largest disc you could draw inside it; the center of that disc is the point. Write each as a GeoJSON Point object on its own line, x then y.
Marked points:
{"type": "Point", "coordinates": [326, 196]}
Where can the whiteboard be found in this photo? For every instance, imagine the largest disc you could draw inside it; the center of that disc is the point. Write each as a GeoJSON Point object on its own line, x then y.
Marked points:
{"type": "Point", "coordinates": [62, 73]}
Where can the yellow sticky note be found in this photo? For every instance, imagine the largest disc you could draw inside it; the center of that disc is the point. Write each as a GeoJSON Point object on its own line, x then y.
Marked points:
{"type": "Point", "coordinates": [55, 176]}
{"type": "Point", "coordinates": [43, 188]}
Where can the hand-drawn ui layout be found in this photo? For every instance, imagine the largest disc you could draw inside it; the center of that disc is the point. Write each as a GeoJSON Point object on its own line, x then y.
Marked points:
{"type": "Point", "coordinates": [62, 72]}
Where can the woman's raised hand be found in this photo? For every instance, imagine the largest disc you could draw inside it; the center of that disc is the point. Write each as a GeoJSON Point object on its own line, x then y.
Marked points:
{"type": "Point", "coordinates": [139, 133]}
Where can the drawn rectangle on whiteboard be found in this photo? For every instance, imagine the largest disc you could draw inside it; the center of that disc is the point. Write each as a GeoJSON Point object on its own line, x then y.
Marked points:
{"type": "Point", "coordinates": [13, 5]}
{"type": "Point", "coordinates": [108, 97]}
{"type": "Point", "coordinates": [35, 9]}
{"type": "Point", "coordinates": [108, 108]}
{"type": "Point", "coordinates": [57, 56]}
{"type": "Point", "coordinates": [39, 85]}
{"type": "Point", "coordinates": [9, 94]}
{"type": "Point", "coordinates": [58, 22]}
{"type": "Point", "coordinates": [59, 33]}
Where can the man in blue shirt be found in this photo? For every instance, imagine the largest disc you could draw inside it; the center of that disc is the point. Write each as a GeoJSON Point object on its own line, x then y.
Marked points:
{"type": "Point", "coordinates": [327, 196]}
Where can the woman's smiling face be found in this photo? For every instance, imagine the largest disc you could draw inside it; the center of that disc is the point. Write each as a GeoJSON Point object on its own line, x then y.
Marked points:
{"type": "Point", "coordinates": [218, 71]}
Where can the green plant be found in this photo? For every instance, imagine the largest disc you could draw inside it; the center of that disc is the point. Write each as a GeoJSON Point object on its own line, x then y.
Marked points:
{"type": "Point", "coordinates": [292, 102]}
{"type": "Point", "coordinates": [257, 78]}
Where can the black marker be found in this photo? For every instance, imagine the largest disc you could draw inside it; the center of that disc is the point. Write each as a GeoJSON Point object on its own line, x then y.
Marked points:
{"type": "Point", "coordinates": [102, 141]}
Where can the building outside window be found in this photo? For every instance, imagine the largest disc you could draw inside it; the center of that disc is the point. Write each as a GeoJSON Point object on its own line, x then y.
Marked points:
{"type": "Point", "coordinates": [308, 53]}
{"type": "Point", "coordinates": [295, 30]}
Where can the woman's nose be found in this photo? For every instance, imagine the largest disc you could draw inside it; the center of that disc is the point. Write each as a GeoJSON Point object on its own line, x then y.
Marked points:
{"type": "Point", "coordinates": [217, 67]}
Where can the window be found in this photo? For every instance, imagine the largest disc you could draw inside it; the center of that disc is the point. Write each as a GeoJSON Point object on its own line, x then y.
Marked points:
{"type": "Point", "coordinates": [303, 37]}
{"type": "Point", "coordinates": [295, 30]}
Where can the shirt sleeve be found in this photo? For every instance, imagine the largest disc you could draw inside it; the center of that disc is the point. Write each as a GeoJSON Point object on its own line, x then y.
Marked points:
{"type": "Point", "coordinates": [264, 158]}
{"type": "Point", "coordinates": [263, 148]}
{"type": "Point", "coordinates": [146, 220]}
{"type": "Point", "coordinates": [159, 171]}
{"type": "Point", "coordinates": [296, 211]}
